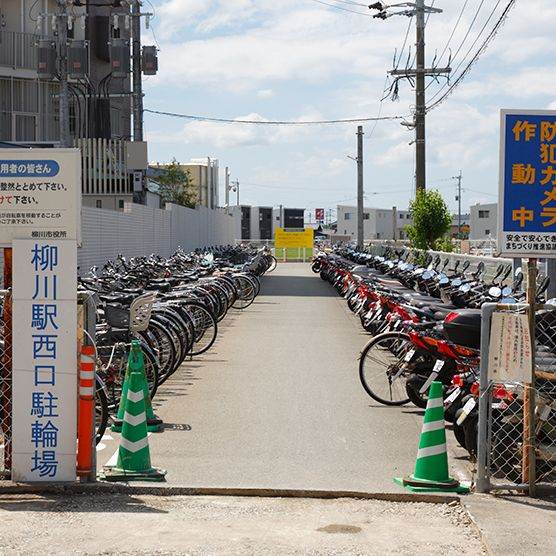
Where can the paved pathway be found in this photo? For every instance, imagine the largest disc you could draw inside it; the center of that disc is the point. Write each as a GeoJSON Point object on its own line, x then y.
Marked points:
{"type": "Point", "coordinates": [277, 402]}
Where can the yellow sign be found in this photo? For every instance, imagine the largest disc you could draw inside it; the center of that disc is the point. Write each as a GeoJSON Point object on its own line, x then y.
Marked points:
{"type": "Point", "coordinates": [294, 239]}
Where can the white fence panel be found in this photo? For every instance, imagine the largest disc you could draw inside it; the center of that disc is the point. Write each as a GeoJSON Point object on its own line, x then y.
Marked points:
{"type": "Point", "coordinates": [140, 231]}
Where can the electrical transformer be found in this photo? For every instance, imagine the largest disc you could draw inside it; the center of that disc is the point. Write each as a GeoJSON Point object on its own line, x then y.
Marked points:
{"type": "Point", "coordinates": [120, 57]}
{"type": "Point", "coordinates": [78, 59]}
{"type": "Point", "coordinates": [46, 58]}
{"type": "Point", "coordinates": [149, 60]}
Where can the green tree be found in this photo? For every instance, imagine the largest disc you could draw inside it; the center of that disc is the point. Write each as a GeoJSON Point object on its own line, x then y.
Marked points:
{"type": "Point", "coordinates": [431, 220]}
{"type": "Point", "coordinates": [175, 185]}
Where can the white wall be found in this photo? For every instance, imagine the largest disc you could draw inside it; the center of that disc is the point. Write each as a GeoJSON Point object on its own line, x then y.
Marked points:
{"type": "Point", "coordinates": [486, 226]}
{"type": "Point", "coordinates": [140, 230]}
{"type": "Point", "coordinates": [379, 225]}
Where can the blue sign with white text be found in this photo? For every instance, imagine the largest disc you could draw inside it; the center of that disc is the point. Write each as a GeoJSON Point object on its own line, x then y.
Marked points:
{"type": "Point", "coordinates": [528, 195]}
{"type": "Point", "coordinates": [28, 168]}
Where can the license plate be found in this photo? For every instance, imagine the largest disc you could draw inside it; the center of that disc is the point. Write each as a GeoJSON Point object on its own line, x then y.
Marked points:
{"type": "Point", "coordinates": [409, 356]}
{"type": "Point", "coordinates": [467, 409]}
{"type": "Point", "coordinates": [435, 371]}
{"type": "Point", "coordinates": [452, 397]}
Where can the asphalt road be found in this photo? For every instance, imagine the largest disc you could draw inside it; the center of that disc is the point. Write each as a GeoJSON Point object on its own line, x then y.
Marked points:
{"type": "Point", "coordinates": [277, 402]}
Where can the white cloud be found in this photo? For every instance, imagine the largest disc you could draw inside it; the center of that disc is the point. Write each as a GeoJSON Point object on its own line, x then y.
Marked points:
{"type": "Point", "coordinates": [265, 93]}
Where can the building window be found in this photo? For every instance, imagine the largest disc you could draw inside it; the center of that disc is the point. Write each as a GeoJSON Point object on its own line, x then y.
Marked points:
{"type": "Point", "coordinates": [99, 203]}
{"type": "Point", "coordinates": [366, 216]}
{"type": "Point", "coordinates": [484, 214]}
{"type": "Point", "coordinates": [377, 236]}
{"type": "Point", "coordinates": [347, 216]}
{"type": "Point", "coordinates": [487, 232]}
{"type": "Point", "coordinates": [121, 204]}
{"type": "Point", "coordinates": [401, 216]}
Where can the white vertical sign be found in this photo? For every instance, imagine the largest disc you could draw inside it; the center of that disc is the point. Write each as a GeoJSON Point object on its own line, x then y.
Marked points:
{"type": "Point", "coordinates": [44, 360]}
{"type": "Point", "coordinates": [510, 354]}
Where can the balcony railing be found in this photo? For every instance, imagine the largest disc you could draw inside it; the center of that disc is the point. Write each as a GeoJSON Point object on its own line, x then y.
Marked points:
{"type": "Point", "coordinates": [18, 50]}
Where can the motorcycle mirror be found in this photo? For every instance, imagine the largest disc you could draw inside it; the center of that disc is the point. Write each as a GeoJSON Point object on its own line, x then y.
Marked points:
{"type": "Point", "coordinates": [465, 265]}
{"type": "Point", "coordinates": [518, 271]}
{"type": "Point", "coordinates": [495, 291]}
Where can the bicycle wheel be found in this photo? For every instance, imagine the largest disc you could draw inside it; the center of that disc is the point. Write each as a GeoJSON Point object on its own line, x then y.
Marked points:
{"type": "Point", "coordinates": [383, 368]}
{"type": "Point", "coordinates": [205, 325]}
{"type": "Point", "coordinates": [246, 292]}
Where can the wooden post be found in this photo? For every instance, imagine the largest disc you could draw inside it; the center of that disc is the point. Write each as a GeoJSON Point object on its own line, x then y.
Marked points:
{"type": "Point", "coordinates": [6, 363]}
{"type": "Point", "coordinates": [529, 436]}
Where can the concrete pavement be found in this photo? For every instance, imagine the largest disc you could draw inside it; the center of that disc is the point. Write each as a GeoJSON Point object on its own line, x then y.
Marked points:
{"type": "Point", "coordinates": [277, 402]}
{"type": "Point", "coordinates": [127, 524]}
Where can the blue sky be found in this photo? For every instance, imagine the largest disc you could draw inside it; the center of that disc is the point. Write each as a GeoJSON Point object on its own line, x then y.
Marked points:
{"type": "Point", "coordinates": [300, 60]}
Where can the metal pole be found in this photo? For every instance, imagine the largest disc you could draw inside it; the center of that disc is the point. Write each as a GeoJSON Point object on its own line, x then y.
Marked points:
{"type": "Point", "coordinates": [227, 182]}
{"type": "Point", "coordinates": [483, 444]}
{"type": "Point", "coordinates": [237, 191]}
{"type": "Point", "coordinates": [459, 205]}
{"type": "Point", "coordinates": [420, 107]}
{"type": "Point", "coordinates": [529, 433]}
{"type": "Point", "coordinates": [360, 234]}
{"type": "Point", "coordinates": [137, 80]}
{"type": "Point", "coordinates": [62, 21]}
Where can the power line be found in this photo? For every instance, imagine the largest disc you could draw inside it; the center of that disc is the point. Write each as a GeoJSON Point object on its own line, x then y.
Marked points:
{"type": "Point", "coordinates": [477, 55]}
{"type": "Point", "coordinates": [446, 46]}
{"type": "Point", "coordinates": [341, 8]}
{"type": "Point", "coordinates": [271, 122]}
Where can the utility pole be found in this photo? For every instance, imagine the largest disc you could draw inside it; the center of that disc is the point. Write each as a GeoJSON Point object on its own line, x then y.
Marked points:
{"type": "Point", "coordinates": [227, 186]}
{"type": "Point", "coordinates": [420, 107]}
{"type": "Point", "coordinates": [458, 178]}
{"type": "Point", "coordinates": [360, 236]}
{"type": "Point", "coordinates": [62, 26]}
{"type": "Point", "coordinates": [137, 78]}
{"type": "Point", "coordinates": [419, 73]}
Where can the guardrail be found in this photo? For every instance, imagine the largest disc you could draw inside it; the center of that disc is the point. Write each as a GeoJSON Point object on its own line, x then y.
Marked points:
{"type": "Point", "coordinates": [491, 263]}
{"type": "Point", "coordinates": [289, 254]}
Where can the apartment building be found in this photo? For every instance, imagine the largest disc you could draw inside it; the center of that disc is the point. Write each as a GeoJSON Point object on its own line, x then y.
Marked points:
{"type": "Point", "coordinates": [100, 107]}
{"type": "Point", "coordinates": [377, 223]}
{"type": "Point", "coordinates": [261, 222]}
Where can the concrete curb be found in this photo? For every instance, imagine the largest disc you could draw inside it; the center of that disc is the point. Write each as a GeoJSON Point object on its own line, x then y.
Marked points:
{"type": "Point", "coordinates": [164, 490]}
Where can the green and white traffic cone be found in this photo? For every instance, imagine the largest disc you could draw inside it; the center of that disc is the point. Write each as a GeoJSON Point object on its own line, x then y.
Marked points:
{"type": "Point", "coordinates": [136, 363]}
{"type": "Point", "coordinates": [134, 459]}
{"type": "Point", "coordinates": [431, 468]}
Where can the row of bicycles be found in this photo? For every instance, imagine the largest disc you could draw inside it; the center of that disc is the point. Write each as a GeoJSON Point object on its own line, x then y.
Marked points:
{"type": "Point", "coordinates": [423, 315]}
{"type": "Point", "coordinates": [171, 305]}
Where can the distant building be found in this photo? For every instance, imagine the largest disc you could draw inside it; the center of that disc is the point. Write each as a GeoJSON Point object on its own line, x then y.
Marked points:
{"type": "Point", "coordinates": [261, 222]}
{"type": "Point", "coordinates": [483, 221]}
{"type": "Point", "coordinates": [377, 223]}
{"type": "Point", "coordinates": [203, 173]}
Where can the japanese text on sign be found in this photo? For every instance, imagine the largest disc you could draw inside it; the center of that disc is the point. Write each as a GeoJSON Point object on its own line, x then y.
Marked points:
{"type": "Point", "coordinates": [40, 194]}
{"type": "Point", "coordinates": [528, 184]}
{"type": "Point", "coordinates": [44, 360]}
{"type": "Point", "coordinates": [282, 238]}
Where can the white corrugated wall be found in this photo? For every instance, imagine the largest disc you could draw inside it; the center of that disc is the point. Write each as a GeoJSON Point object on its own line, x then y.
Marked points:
{"type": "Point", "coordinates": [141, 230]}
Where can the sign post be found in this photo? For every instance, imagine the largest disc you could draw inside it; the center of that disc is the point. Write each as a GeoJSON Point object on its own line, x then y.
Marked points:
{"type": "Point", "coordinates": [40, 202]}
{"type": "Point", "coordinates": [527, 224]}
